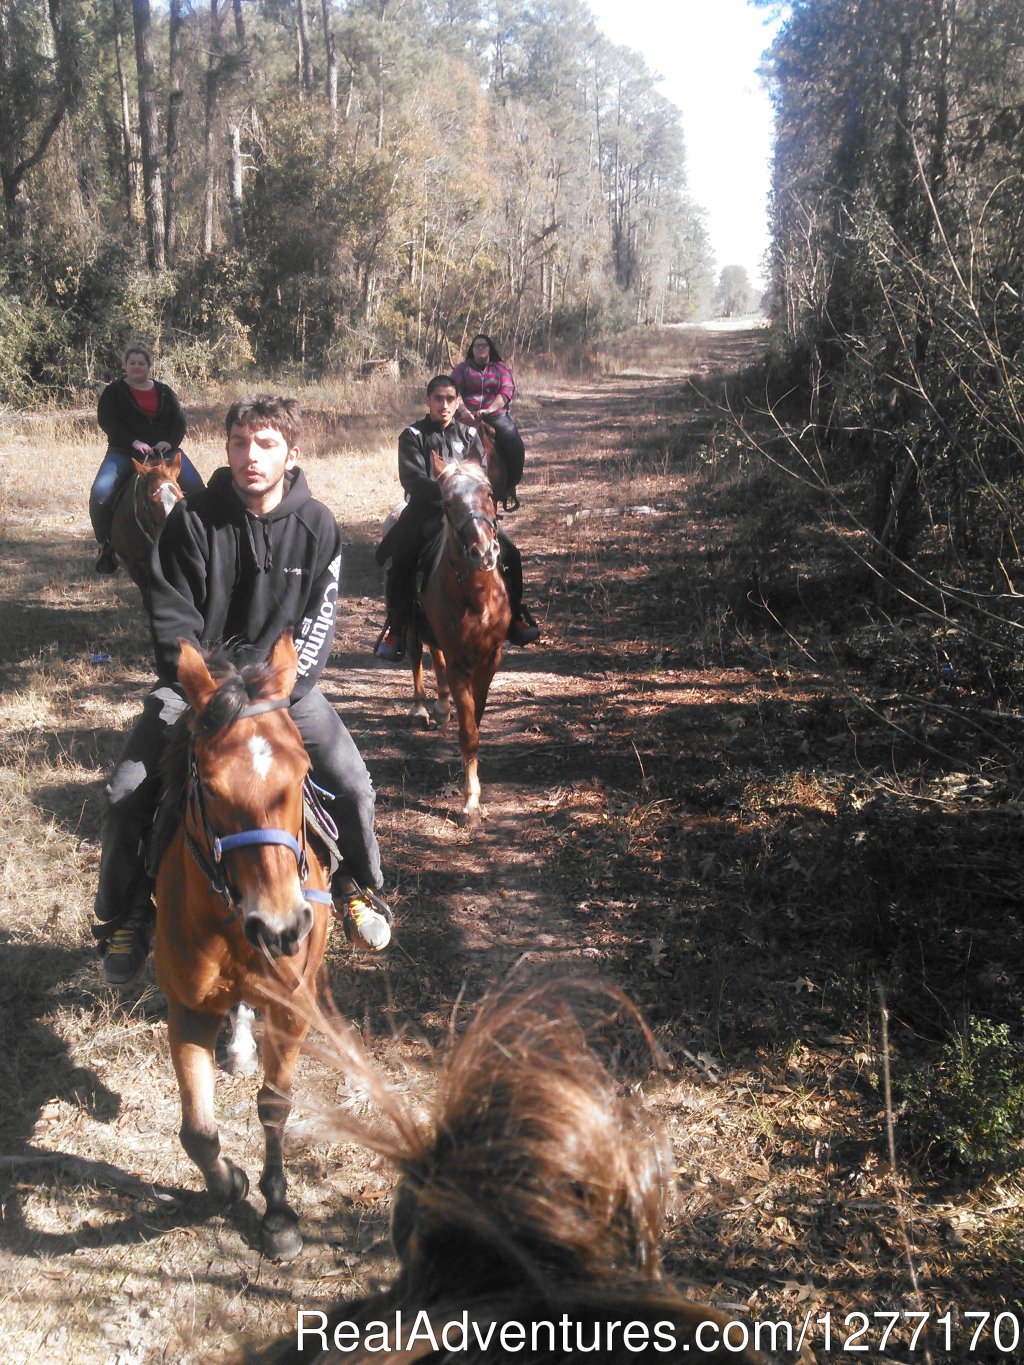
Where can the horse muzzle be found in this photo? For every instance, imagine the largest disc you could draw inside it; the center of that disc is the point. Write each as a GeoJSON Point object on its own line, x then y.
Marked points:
{"type": "Point", "coordinates": [484, 557]}
{"type": "Point", "coordinates": [280, 936]}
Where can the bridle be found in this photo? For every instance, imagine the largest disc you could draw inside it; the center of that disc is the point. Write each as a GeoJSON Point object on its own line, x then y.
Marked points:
{"type": "Point", "coordinates": [210, 860]}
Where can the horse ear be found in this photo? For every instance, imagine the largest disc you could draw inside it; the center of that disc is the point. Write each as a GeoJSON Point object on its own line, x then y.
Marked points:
{"type": "Point", "coordinates": [194, 676]}
{"type": "Point", "coordinates": [437, 462]}
{"type": "Point", "coordinates": [285, 663]}
{"type": "Point", "coordinates": [174, 463]}
{"type": "Point", "coordinates": [140, 467]}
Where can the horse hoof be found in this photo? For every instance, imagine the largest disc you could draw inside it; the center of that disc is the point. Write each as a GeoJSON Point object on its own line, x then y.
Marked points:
{"type": "Point", "coordinates": [473, 817]}
{"type": "Point", "coordinates": [281, 1244]}
{"type": "Point", "coordinates": [419, 720]}
{"type": "Point", "coordinates": [234, 1188]}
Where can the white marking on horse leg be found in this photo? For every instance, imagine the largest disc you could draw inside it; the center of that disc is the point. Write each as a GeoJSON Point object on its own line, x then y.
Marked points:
{"type": "Point", "coordinates": [241, 1059]}
{"type": "Point", "coordinates": [419, 715]}
{"type": "Point", "coordinates": [472, 810]}
{"type": "Point", "coordinates": [262, 755]}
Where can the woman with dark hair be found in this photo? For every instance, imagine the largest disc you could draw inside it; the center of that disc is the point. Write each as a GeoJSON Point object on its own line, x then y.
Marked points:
{"type": "Point", "coordinates": [486, 388]}
{"type": "Point", "coordinates": [529, 1206]}
{"type": "Point", "coordinates": [139, 417]}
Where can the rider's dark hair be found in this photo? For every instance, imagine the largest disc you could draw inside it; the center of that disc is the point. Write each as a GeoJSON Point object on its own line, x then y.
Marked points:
{"type": "Point", "coordinates": [255, 410]}
{"type": "Point", "coordinates": [482, 336]}
{"type": "Point", "coordinates": [139, 350]}
{"type": "Point", "coordinates": [439, 380]}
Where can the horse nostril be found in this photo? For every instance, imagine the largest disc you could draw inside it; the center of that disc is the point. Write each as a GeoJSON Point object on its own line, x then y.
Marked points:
{"type": "Point", "coordinates": [255, 931]}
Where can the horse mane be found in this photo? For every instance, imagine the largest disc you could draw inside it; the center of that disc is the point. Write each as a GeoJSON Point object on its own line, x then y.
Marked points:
{"type": "Point", "coordinates": [238, 684]}
{"type": "Point", "coordinates": [537, 1170]}
{"type": "Point", "coordinates": [535, 1187]}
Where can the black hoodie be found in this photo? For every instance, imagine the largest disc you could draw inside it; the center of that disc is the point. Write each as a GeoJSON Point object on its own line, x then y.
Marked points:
{"type": "Point", "coordinates": [221, 574]}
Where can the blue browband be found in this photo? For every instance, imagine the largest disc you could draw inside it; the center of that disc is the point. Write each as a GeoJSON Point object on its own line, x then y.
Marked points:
{"type": "Point", "coordinates": [248, 837]}
{"type": "Point", "coordinates": [255, 836]}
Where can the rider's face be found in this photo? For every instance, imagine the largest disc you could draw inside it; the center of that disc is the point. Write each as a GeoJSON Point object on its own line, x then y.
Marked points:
{"type": "Point", "coordinates": [481, 350]}
{"type": "Point", "coordinates": [136, 367]}
{"type": "Point", "coordinates": [443, 404]}
{"type": "Point", "coordinates": [259, 460]}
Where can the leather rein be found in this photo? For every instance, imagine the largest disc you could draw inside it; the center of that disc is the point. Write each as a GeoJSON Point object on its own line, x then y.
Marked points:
{"type": "Point", "coordinates": [210, 860]}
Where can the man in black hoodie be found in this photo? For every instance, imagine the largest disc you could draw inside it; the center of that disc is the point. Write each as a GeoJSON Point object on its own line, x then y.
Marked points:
{"type": "Point", "coordinates": [242, 561]}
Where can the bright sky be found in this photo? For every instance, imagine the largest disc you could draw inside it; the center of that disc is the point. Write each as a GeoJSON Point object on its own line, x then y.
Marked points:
{"type": "Point", "coordinates": [708, 53]}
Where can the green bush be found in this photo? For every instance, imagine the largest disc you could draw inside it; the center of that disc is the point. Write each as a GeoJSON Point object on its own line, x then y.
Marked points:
{"type": "Point", "coordinates": [969, 1109]}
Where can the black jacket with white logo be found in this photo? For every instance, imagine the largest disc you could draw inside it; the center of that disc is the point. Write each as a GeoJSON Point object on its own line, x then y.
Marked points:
{"type": "Point", "coordinates": [417, 443]}
{"type": "Point", "coordinates": [222, 575]}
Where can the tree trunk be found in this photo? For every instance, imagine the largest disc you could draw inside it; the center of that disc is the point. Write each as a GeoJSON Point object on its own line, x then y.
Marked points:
{"type": "Point", "coordinates": [127, 140]}
{"type": "Point", "coordinates": [332, 65]}
{"type": "Point", "coordinates": [305, 53]}
{"type": "Point", "coordinates": [14, 167]}
{"type": "Point", "coordinates": [237, 218]}
{"type": "Point", "coordinates": [153, 187]}
{"type": "Point", "coordinates": [174, 99]}
{"type": "Point", "coordinates": [210, 99]}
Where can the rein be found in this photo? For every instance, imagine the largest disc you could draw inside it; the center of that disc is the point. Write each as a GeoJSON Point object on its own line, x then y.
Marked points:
{"type": "Point", "coordinates": [211, 860]}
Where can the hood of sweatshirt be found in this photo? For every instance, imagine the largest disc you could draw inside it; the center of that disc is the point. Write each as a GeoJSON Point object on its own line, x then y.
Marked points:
{"type": "Point", "coordinates": [259, 530]}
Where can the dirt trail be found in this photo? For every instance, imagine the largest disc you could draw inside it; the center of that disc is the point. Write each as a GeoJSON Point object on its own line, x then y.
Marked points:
{"type": "Point", "coordinates": [474, 908]}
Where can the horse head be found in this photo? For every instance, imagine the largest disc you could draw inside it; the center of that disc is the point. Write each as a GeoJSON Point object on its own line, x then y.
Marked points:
{"type": "Point", "coordinates": [244, 816]}
{"type": "Point", "coordinates": [469, 512]}
{"type": "Point", "coordinates": [156, 491]}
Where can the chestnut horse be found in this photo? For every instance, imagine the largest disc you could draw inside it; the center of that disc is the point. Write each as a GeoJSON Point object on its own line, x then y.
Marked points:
{"type": "Point", "coordinates": [242, 909]}
{"type": "Point", "coordinates": [466, 610]}
{"type": "Point", "coordinates": [531, 1194]}
{"type": "Point", "coordinates": [140, 510]}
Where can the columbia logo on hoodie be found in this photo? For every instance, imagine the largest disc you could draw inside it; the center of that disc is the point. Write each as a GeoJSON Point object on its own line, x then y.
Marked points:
{"type": "Point", "coordinates": [315, 631]}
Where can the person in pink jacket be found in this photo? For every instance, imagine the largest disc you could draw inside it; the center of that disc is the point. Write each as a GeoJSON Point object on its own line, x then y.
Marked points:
{"type": "Point", "coordinates": [486, 388]}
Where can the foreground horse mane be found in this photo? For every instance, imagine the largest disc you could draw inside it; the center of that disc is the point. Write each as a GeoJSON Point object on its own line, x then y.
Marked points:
{"type": "Point", "coordinates": [238, 685]}
{"type": "Point", "coordinates": [535, 1187]}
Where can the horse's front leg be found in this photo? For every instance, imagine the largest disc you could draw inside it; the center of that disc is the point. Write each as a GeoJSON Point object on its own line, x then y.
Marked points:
{"type": "Point", "coordinates": [469, 744]}
{"type": "Point", "coordinates": [443, 705]}
{"type": "Point", "coordinates": [282, 1039]}
{"type": "Point", "coordinates": [192, 1039]}
{"type": "Point", "coordinates": [418, 713]}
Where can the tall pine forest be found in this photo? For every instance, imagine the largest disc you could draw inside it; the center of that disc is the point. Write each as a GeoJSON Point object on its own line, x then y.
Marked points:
{"type": "Point", "coordinates": [321, 185]}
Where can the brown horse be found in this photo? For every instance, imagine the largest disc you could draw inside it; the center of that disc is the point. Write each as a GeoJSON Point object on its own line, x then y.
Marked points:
{"type": "Point", "coordinates": [242, 909]}
{"type": "Point", "coordinates": [532, 1196]}
{"type": "Point", "coordinates": [497, 472]}
{"type": "Point", "coordinates": [465, 606]}
{"type": "Point", "coordinates": [140, 510]}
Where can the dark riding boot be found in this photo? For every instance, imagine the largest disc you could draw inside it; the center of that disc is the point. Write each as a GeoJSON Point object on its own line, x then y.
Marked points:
{"type": "Point", "coordinates": [125, 943]}
{"type": "Point", "coordinates": [107, 561]}
{"type": "Point", "coordinates": [398, 595]}
{"type": "Point", "coordinates": [523, 629]}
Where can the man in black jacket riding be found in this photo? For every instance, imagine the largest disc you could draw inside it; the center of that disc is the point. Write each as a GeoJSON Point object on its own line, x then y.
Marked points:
{"type": "Point", "coordinates": [250, 556]}
{"type": "Point", "coordinates": [436, 434]}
